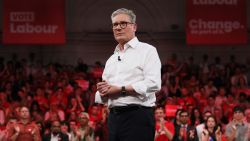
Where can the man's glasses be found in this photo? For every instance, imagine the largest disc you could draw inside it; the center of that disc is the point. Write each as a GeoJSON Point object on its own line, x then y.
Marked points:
{"type": "Point", "coordinates": [122, 25]}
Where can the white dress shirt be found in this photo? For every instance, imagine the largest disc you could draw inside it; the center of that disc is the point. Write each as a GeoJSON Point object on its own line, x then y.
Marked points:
{"type": "Point", "coordinates": [137, 65]}
{"type": "Point", "coordinates": [55, 138]}
{"type": "Point", "coordinates": [199, 129]}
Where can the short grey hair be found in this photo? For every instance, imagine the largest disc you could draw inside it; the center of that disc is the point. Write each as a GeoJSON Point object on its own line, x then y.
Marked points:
{"type": "Point", "coordinates": [128, 12]}
{"type": "Point", "coordinates": [84, 114]}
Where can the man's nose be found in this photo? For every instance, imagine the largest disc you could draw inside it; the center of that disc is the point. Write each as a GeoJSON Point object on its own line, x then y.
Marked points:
{"type": "Point", "coordinates": [118, 27]}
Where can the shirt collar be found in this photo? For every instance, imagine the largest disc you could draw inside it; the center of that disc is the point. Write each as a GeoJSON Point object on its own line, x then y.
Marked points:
{"type": "Point", "coordinates": [132, 43]}
{"type": "Point", "coordinates": [54, 136]}
{"type": "Point", "coordinates": [184, 125]}
{"type": "Point", "coordinates": [20, 122]}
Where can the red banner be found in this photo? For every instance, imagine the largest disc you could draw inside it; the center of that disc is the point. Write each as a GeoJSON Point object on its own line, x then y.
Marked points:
{"type": "Point", "coordinates": [216, 22]}
{"type": "Point", "coordinates": [170, 110]}
{"type": "Point", "coordinates": [34, 22]}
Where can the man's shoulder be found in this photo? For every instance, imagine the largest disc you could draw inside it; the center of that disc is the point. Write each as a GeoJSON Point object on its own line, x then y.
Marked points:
{"type": "Point", "coordinates": [145, 45]}
{"type": "Point", "coordinates": [145, 48]}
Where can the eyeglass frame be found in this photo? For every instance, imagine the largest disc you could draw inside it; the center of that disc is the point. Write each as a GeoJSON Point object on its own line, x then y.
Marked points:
{"type": "Point", "coordinates": [122, 24]}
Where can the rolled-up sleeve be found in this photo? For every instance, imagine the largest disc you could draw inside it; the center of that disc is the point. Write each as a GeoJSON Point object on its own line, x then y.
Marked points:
{"type": "Point", "coordinates": [99, 99]}
{"type": "Point", "coordinates": [152, 75]}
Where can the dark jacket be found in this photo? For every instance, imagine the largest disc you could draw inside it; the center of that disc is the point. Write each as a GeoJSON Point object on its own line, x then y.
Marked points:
{"type": "Point", "coordinates": [177, 135]}
{"type": "Point", "coordinates": [62, 136]}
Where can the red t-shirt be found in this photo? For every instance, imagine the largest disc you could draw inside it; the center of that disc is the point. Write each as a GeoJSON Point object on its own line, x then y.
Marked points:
{"type": "Point", "coordinates": [162, 136]}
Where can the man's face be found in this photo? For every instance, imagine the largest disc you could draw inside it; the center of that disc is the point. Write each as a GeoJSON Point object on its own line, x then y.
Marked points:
{"type": "Point", "coordinates": [83, 119]}
{"type": "Point", "coordinates": [94, 110]}
{"type": "Point", "coordinates": [24, 113]}
{"type": "Point", "coordinates": [159, 113]}
{"type": "Point", "coordinates": [238, 115]}
{"type": "Point", "coordinates": [123, 29]}
{"type": "Point", "coordinates": [184, 118]}
{"type": "Point", "coordinates": [55, 128]}
{"type": "Point", "coordinates": [64, 128]}
{"type": "Point", "coordinates": [72, 125]}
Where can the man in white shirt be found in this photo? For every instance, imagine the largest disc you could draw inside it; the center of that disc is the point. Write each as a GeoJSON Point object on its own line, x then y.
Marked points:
{"type": "Point", "coordinates": [131, 77]}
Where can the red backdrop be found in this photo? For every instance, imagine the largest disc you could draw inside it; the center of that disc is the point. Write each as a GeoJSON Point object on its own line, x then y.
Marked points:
{"type": "Point", "coordinates": [34, 22]}
{"type": "Point", "coordinates": [216, 22]}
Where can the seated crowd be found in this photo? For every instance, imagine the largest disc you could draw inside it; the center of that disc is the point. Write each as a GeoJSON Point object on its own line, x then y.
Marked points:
{"type": "Point", "coordinates": [56, 101]}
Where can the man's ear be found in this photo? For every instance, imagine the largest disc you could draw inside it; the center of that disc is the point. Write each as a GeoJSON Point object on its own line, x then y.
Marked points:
{"type": "Point", "coordinates": [135, 26]}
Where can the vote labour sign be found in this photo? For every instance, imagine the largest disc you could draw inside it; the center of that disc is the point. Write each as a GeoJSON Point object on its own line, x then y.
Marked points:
{"type": "Point", "coordinates": [222, 22]}
{"type": "Point", "coordinates": [34, 22]}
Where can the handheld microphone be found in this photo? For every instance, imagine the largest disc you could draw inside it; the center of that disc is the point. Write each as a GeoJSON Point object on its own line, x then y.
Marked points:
{"type": "Point", "coordinates": [119, 58]}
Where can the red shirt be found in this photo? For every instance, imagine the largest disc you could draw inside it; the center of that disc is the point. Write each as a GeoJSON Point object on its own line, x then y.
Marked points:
{"type": "Point", "coordinates": [163, 136]}
{"type": "Point", "coordinates": [26, 131]}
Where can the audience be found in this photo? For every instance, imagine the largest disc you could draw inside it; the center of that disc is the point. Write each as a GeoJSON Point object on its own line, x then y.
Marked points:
{"type": "Point", "coordinates": [52, 92]}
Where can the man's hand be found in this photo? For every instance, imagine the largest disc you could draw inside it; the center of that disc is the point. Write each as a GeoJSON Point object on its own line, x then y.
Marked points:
{"type": "Point", "coordinates": [17, 129]}
{"type": "Point", "coordinates": [205, 132]}
{"type": "Point", "coordinates": [103, 87]}
{"type": "Point", "coordinates": [191, 134]}
{"type": "Point", "coordinates": [162, 123]}
{"type": "Point", "coordinates": [234, 129]}
{"type": "Point", "coordinates": [218, 132]}
{"type": "Point", "coordinates": [106, 89]}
